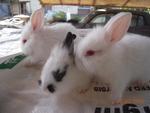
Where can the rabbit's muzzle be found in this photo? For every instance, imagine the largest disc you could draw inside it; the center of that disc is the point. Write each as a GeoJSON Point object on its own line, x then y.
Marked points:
{"type": "Point", "coordinates": [50, 87]}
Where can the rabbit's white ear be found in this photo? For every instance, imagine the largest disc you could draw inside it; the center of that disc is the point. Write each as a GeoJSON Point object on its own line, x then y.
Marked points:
{"type": "Point", "coordinates": [37, 19]}
{"type": "Point", "coordinates": [117, 26]}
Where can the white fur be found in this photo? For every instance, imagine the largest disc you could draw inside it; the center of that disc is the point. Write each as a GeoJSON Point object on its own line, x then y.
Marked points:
{"type": "Point", "coordinates": [40, 38]}
{"type": "Point", "coordinates": [67, 97]}
{"type": "Point", "coordinates": [118, 59]}
{"type": "Point", "coordinates": [74, 78]}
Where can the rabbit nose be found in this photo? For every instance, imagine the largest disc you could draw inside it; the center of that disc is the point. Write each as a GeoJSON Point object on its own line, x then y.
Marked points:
{"type": "Point", "coordinates": [24, 41]}
{"type": "Point", "coordinates": [51, 88]}
{"type": "Point", "coordinates": [39, 82]}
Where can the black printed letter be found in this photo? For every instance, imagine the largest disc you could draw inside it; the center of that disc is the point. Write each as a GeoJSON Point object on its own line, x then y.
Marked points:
{"type": "Point", "coordinates": [130, 108]}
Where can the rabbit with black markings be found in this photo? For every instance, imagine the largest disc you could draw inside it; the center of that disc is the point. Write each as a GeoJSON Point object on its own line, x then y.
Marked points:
{"type": "Point", "coordinates": [66, 83]}
{"type": "Point", "coordinates": [114, 56]}
{"type": "Point", "coordinates": [60, 74]}
{"type": "Point", "coordinates": [37, 39]}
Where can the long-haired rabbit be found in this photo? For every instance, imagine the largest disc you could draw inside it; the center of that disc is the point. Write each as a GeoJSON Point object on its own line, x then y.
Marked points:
{"type": "Point", "coordinates": [37, 40]}
{"type": "Point", "coordinates": [60, 74]}
{"type": "Point", "coordinates": [116, 57]}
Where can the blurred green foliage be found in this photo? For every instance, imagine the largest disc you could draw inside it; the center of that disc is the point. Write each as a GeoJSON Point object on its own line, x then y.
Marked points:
{"type": "Point", "coordinates": [76, 17]}
{"type": "Point", "coordinates": [59, 16]}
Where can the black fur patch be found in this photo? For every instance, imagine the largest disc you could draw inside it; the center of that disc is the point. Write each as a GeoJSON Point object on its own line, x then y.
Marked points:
{"type": "Point", "coordinates": [69, 40]}
{"type": "Point", "coordinates": [69, 43]}
{"type": "Point", "coordinates": [59, 75]}
{"type": "Point", "coordinates": [51, 88]}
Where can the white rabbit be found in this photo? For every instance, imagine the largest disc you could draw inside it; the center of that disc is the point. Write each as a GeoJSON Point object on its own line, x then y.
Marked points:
{"type": "Point", "coordinates": [60, 74]}
{"type": "Point", "coordinates": [116, 57]}
{"type": "Point", "coordinates": [65, 82]}
{"type": "Point", "coordinates": [37, 39]}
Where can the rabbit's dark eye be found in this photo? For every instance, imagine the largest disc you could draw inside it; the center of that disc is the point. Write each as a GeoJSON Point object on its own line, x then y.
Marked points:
{"type": "Point", "coordinates": [39, 82]}
{"type": "Point", "coordinates": [51, 88]}
{"type": "Point", "coordinates": [24, 41]}
{"type": "Point", "coordinates": [59, 74]}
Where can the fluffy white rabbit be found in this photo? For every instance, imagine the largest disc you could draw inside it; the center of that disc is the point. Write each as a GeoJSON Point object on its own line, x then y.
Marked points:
{"type": "Point", "coordinates": [60, 74]}
{"type": "Point", "coordinates": [114, 56]}
{"type": "Point", "coordinates": [37, 39]}
{"type": "Point", "coordinates": [65, 82]}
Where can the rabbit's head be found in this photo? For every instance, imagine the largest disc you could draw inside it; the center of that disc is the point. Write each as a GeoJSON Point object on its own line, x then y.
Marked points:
{"type": "Point", "coordinates": [102, 39]}
{"type": "Point", "coordinates": [29, 32]}
{"type": "Point", "coordinates": [56, 70]}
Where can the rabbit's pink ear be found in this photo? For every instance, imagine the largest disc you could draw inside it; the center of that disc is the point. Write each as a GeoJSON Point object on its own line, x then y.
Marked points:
{"type": "Point", "coordinates": [37, 19]}
{"type": "Point", "coordinates": [117, 26]}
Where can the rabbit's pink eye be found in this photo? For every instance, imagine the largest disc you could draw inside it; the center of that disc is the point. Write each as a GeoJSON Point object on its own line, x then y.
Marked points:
{"type": "Point", "coordinates": [24, 41]}
{"type": "Point", "coordinates": [90, 53]}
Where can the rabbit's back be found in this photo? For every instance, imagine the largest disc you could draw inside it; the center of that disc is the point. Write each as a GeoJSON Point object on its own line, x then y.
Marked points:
{"type": "Point", "coordinates": [136, 54]}
{"type": "Point", "coordinates": [46, 38]}
{"type": "Point", "coordinates": [129, 57]}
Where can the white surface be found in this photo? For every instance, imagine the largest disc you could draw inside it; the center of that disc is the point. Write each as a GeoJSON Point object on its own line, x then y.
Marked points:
{"type": "Point", "coordinates": [9, 41]}
{"type": "Point", "coordinates": [20, 93]}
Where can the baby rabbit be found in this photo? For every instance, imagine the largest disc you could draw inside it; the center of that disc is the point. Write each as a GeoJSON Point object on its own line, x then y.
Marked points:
{"type": "Point", "coordinates": [37, 39]}
{"type": "Point", "coordinates": [116, 57]}
{"type": "Point", "coordinates": [60, 74]}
